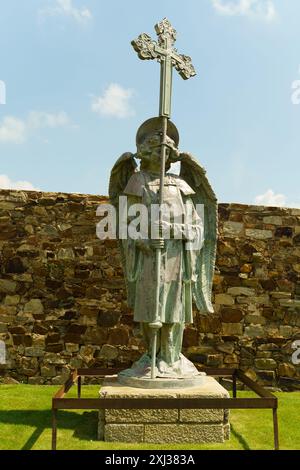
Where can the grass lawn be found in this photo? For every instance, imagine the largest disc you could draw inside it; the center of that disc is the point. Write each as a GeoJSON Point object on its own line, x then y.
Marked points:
{"type": "Point", "coordinates": [25, 423]}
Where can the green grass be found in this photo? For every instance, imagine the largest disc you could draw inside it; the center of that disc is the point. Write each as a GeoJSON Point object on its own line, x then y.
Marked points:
{"type": "Point", "coordinates": [25, 423]}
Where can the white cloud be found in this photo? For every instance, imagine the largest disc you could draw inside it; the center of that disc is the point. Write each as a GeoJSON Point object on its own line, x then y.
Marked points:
{"type": "Point", "coordinates": [14, 130]}
{"type": "Point", "coordinates": [271, 199]}
{"type": "Point", "coordinates": [7, 183]}
{"type": "Point", "coordinates": [39, 119]}
{"type": "Point", "coordinates": [258, 9]}
{"type": "Point", "coordinates": [67, 9]}
{"type": "Point", "coordinates": [114, 102]}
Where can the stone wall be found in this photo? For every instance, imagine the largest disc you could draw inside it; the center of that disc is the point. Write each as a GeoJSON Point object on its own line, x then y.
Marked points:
{"type": "Point", "coordinates": [63, 300]}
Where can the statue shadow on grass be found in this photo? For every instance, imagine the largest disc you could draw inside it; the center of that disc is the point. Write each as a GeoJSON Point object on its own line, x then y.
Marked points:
{"type": "Point", "coordinates": [84, 425]}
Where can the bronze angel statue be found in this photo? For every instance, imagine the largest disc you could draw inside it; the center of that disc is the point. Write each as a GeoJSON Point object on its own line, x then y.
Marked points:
{"type": "Point", "coordinates": [187, 253]}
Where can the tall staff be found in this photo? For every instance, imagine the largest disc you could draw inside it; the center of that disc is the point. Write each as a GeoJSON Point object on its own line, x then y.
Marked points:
{"type": "Point", "coordinates": [164, 52]}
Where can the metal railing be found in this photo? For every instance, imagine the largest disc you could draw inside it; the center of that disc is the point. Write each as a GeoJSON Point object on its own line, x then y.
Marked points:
{"type": "Point", "coordinates": [265, 400]}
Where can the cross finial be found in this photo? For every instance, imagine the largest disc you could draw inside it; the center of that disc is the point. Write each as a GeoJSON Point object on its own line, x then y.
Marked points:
{"type": "Point", "coordinates": [165, 31]}
{"type": "Point", "coordinates": [164, 52]}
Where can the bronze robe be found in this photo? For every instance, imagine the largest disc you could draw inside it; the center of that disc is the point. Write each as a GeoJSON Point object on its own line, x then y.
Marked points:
{"type": "Point", "coordinates": [178, 264]}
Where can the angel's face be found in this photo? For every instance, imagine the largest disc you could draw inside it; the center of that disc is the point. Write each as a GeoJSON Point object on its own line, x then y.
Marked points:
{"type": "Point", "coordinates": [150, 152]}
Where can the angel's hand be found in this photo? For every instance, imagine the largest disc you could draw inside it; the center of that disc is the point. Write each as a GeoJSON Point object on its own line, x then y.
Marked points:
{"type": "Point", "coordinates": [164, 228]}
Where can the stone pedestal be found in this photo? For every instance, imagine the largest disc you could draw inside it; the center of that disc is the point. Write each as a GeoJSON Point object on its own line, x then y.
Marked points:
{"type": "Point", "coordinates": [163, 426]}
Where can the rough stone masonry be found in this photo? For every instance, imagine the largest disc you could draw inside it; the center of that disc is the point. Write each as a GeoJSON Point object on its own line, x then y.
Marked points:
{"type": "Point", "coordinates": [63, 299]}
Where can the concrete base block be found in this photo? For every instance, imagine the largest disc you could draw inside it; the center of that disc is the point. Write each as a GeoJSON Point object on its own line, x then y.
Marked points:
{"type": "Point", "coordinates": [163, 426]}
{"type": "Point", "coordinates": [124, 433]}
{"type": "Point", "coordinates": [177, 433]}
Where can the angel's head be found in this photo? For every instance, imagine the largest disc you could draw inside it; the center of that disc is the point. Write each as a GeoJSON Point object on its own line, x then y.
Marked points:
{"type": "Point", "coordinates": [149, 137]}
{"type": "Point", "coordinates": [149, 152]}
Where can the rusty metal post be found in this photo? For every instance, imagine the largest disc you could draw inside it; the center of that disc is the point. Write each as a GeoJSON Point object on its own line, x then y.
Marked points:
{"type": "Point", "coordinates": [54, 428]}
{"type": "Point", "coordinates": [234, 385]}
{"type": "Point", "coordinates": [276, 432]}
{"type": "Point", "coordinates": [79, 386]}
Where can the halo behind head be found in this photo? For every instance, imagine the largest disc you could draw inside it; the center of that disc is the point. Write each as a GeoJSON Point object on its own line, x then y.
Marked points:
{"type": "Point", "coordinates": [153, 126]}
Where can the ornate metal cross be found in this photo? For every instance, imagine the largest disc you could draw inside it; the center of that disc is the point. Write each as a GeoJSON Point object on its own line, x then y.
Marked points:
{"type": "Point", "coordinates": [164, 52]}
{"type": "Point", "coordinates": [167, 55]}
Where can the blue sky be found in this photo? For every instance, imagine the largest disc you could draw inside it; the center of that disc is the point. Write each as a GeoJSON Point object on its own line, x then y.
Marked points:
{"type": "Point", "coordinates": [76, 92]}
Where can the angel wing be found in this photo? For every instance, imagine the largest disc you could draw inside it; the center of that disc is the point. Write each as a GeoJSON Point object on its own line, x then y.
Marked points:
{"type": "Point", "coordinates": [120, 174]}
{"type": "Point", "coordinates": [195, 176]}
